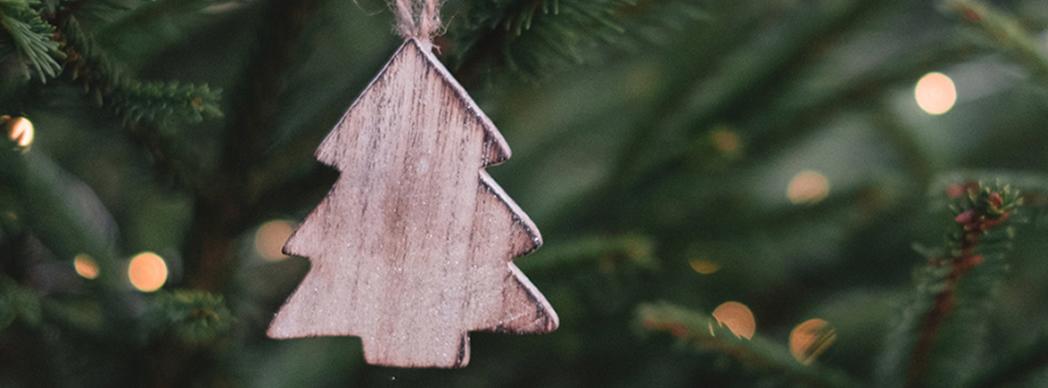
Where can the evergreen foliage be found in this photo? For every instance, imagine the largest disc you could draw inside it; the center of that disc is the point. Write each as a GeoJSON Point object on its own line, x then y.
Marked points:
{"type": "Point", "coordinates": [31, 37]}
{"type": "Point", "coordinates": [676, 155]}
{"type": "Point", "coordinates": [158, 103]}
{"type": "Point", "coordinates": [707, 334]}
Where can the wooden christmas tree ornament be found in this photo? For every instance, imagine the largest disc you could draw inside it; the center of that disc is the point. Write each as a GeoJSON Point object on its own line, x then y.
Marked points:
{"type": "Point", "coordinates": [412, 248]}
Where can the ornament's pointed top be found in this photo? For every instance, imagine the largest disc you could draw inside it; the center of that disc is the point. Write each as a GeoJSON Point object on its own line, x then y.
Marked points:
{"type": "Point", "coordinates": [501, 151]}
{"type": "Point", "coordinates": [418, 54]}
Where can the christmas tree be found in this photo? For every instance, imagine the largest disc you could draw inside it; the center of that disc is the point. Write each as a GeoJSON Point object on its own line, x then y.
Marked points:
{"type": "Point", "coordinates": [827, 193]}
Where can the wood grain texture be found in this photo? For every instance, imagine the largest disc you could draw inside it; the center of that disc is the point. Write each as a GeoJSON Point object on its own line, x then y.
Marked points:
{"type": "Point", "coordinates": [412, 248]}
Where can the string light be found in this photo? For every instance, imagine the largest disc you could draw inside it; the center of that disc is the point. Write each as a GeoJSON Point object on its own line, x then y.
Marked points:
{"type": "Point", "coordinates": [19, 130]}
{"type": "Point", "coordinates": [85, 266]}
{"type": "Point", "coordinates": [810, 339]}
{"type": "Point", "coordinates": [935, 93]}
{"type": "Point", "coordinates": [270, 239]}
{"type": "Point", "coordinates": [147, 272]}
{"type": "Point", "coordinates": [703, 266]}
{"type": "Point", "coordinates": [737, 318]}
{"type": "Point", "coordinates": [726, 141]}
{"type": "Point", "coordinates": [808, 187]}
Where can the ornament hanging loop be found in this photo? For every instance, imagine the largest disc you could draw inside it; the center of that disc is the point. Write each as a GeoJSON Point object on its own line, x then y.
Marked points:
{"type": "Point", "coordinates": [417, 19]}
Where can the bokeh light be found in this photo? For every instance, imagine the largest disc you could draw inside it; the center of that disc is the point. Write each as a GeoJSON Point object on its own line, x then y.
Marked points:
{"type": "Point", "coordinates": [808, 187]}
{"type": "Point", "coordinates": [85, 266]}
{"type": "Point", "coordinates": [703, 266]}
{"type": "Point", "coordinates": [270, 239]}
{"type": "Point", "coordinates": [726, 141]}
{"type": "Point", "coordinates": [737, 318]}
{"type": "Point", "coordinates": [810, 339]}
{"type": "Point", "coordinates": [20, 130]}
{"type": "Point", "coordinates": [147, 272]}
{"type": "Point", "coordinates": [935, 93]}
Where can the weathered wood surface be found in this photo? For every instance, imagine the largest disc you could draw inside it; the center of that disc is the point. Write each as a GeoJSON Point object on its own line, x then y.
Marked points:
{"type": "Point", "coordinates": [412, 247]}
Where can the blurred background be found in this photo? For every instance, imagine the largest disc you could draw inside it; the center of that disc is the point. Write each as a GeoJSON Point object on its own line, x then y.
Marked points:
{"type": "Point", "coordinates": [763, 169]}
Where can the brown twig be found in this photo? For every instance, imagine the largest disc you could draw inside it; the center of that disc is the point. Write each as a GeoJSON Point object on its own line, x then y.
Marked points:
{"type": "Point", "coordinates": [986, 214]}
{"type": "Point", "coordinates": [941, 309]}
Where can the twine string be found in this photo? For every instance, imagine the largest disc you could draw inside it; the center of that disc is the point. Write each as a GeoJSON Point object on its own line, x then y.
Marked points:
{"type": "Point", "coordinates": [418, 19]}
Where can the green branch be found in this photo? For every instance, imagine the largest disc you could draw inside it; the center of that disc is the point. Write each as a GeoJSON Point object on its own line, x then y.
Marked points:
{"type": "Point", "coordinates": [902, 138]}
{"type": "Point", "coordinates": [192, 317]}
{"type": "Point", "coordinates": [650, 155]}
{"type": "Point", "coordinates": [44, 206]}
{"type": "Point", "coordinates": [682, 74]}
{"type": "Point", "coordinates": [939, 331]}
{"type": "Point", "coordinates": [146, 109]}
{"type": "Point", "coordinates": [636, 250]}
{"type": "Point", "coordinates": [761, 68]}
{"type": "Point", "coordinates": [31, 36]}
{"type": "Point", "coordinates": [530, 35]}
{"type": "Point", "coordinates": [1005, 31]}
{"type": "Point", "coordinates": [153, 103]}
{"type": "Point", "coordinates": [1014, 368]}
{"type": "Point", "coordinates": [704, 333]}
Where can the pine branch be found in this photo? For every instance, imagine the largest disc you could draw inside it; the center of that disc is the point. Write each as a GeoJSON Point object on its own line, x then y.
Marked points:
{"type": "Point", "coordinates": [651, 155]}
{"type": "Point", "coordinates": [146, 109]}
{"type": "Point", "coordinates": [655, 22]}
{"type": "Point", "coordinates": [157, 104]}
{"type": "Point", "coordinates": [100, 10]}
{"type": "Point", "coordinates": [1019, 364]}
{"type": "Point", "coordinates": [635, 250]}
{"type": "Point", "coordinates": [194, 318]}
{"type": "Point", "coordinates": [683, 73]}
{"type": "Point", "coordinates": [939, 330]}
{"type": "Point", "coordinates": [163, 23]}
{"type": "Point", "coordinates": [31, 36]}
{"type": "Point", "coordinates": [704, 333]}
{"type": "Point", "coordinates": [18, 305]}
{"type": "Point", "coordinates": [796, 119]}
{"type": "Point", "coordinates": [528, 35]}
{"type": "Point", "coordinates": [44, 206]}
{"type": "Point", "coordinates": [1008, 34]}
{"type": "Point", "coordinates": [84, 317]}
{"type": "Point", "coordinates": [148, 13]}
{"type": "Point", "coordinates": [532, 36]}
{"type": "Point", "coordinates": [914, 157]}
{"type": "Point", "coordinates": [1033, 186]}
{"type": "Point", "coordinates": [784, 125]}
{"type": "Point", "coordinates": [735, 90]}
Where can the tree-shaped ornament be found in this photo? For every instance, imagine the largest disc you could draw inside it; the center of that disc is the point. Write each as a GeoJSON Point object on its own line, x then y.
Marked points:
{"type": "Point", "coordinates": [412, 248]}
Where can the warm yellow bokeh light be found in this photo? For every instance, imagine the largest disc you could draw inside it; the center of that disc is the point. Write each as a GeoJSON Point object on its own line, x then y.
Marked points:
{"type": "Point", "coordinates": [935, 93]}
{"type": "Point", "coordinates": [810, 339]}
{"type": "Point", "coordinates": [726, 141]}
{"type": "Point", "coordinates": [85, 266]}
{"type": "Point", "coordinates": [20, 130]}
{"type": "Point", "coordinates": [737, 318]}
{"type": "Point", "coordinates": [270, 239]}
{"type": "Point", "coordinates": [705, 267]}
{"type": "Point", "coordinates": [808, 187]}
{"type": "Point", "coordinates": [147, 272]}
